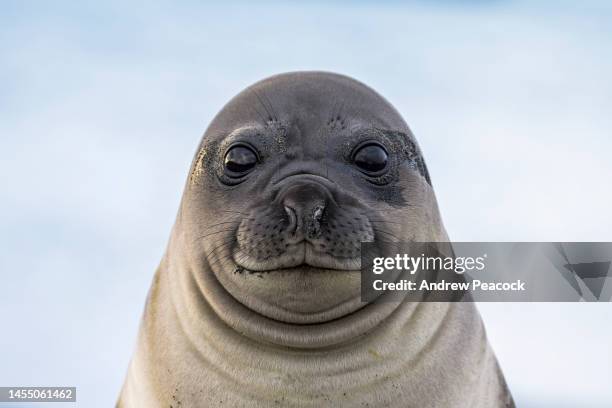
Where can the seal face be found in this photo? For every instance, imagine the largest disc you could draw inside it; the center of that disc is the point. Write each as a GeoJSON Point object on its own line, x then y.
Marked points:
{"type": "Point", "coordinates": [308, 166]}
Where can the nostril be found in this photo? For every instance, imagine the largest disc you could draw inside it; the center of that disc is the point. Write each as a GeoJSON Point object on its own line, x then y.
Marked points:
{"type": "Point", "coordinates": [293, 221]}
{"type": "Point", "coordinates": [314, 226]}
{"type": "Point", "coordinates": [317, 213]}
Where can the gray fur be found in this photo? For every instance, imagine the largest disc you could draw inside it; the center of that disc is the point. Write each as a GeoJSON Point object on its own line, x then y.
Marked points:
{"type": "Point", "coordinates": [257, 299]}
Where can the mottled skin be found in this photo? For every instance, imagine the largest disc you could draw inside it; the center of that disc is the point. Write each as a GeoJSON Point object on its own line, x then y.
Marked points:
{"type": "Point", "coordinates": [257, 299]}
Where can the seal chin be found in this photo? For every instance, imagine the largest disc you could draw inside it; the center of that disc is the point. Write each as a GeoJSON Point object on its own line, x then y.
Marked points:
{"type": "Point", "coordinates": [296, 255]}
{"type": "Point", "coordinates": [299, 286]}
{"type": "Point", "coordinates": [301, 294]}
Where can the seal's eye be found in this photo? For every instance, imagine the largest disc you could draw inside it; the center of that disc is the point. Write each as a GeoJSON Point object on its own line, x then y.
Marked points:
{"type": "Point", "coordinates": [371, 158]}
{"type": "Point", "coordinates": [239, 159]}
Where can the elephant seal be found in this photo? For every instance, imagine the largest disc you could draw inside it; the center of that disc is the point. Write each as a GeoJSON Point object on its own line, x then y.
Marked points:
{"type": "Point", "coordinates": [257, 300]}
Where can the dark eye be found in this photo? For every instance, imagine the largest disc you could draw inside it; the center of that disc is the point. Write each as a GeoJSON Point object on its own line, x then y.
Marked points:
{"type": "Point", "coordinates": [371, 158]}
{"type": "Point", "coordinates": [239, 160]}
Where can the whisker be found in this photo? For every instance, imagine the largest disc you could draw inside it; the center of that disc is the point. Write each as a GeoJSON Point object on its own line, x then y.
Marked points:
{"type": "Point", "coordinates": [213, 233]}
{"type": "Point", "coordinates": [388, 233]}
{"type": "Point", "coordinates": [235, 212]}
{"type": "Point", "coordinates": [264, 106]}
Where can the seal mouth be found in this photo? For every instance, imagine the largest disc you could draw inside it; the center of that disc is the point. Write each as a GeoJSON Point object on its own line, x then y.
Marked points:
{"type": "Point", "coordinates": [302, 254]}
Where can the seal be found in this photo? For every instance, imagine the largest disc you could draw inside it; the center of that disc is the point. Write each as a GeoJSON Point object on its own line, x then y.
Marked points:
{"type": "Point", "coordinates": [256, 301]}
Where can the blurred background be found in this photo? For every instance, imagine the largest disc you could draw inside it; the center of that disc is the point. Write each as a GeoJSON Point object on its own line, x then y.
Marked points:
{"type": "Point", "coordinates": [102, 105]}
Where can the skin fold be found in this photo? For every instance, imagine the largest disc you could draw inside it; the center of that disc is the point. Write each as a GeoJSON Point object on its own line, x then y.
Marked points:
{"type": "Point", "coordinates": [256, 301]}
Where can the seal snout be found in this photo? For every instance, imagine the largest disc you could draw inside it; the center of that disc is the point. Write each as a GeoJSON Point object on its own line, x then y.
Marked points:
{"type": "Point", "coordinates": [307, 220]}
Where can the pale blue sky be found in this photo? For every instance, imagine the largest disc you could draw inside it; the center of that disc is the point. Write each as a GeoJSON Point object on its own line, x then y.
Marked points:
{"type": "Point", "coordinates": [102, 106]}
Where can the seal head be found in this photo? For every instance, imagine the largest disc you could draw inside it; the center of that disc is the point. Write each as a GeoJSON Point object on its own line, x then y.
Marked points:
{"type": "Point", "coordinates": [291, 177]}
